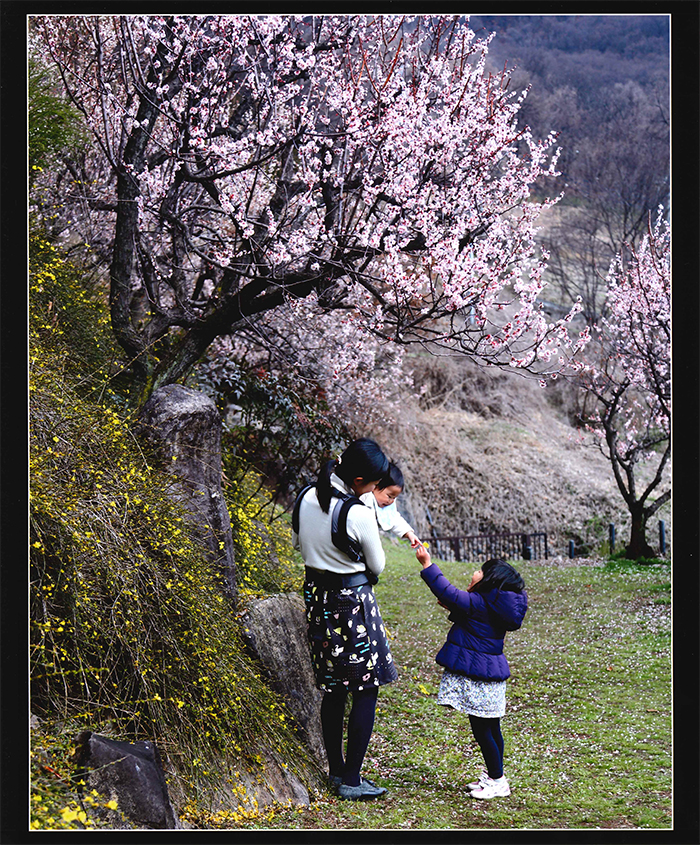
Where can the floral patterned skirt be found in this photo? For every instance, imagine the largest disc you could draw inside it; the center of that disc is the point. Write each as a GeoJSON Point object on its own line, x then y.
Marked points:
{"type": "Point", "coordinates": [477, 698]}
{"type": "Point", "coordinates": [349, 647]}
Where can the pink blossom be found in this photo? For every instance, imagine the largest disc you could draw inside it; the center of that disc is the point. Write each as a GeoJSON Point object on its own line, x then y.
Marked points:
{"type": "Point", "coordinates": [368, 162]}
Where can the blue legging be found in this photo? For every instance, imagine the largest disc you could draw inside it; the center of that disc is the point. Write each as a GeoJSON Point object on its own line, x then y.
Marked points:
{"type": "Point", "coordinates": [360, 726]}
{"type": "Point", "coordinates": [487, 732]}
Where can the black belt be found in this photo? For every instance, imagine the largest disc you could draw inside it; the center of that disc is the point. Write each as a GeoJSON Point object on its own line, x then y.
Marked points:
{"type": "Point", "coordinates": [335, 581]}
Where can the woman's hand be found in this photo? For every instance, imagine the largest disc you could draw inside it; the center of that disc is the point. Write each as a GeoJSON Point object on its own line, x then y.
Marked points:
{"type": "Point", "coordinates": [423, 556]}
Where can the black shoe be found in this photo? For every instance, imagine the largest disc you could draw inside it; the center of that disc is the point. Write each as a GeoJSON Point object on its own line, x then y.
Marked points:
{"type": "Point", "coordinates": [334, 782]}
{"type": "Point", "coordinates": [366, 791]}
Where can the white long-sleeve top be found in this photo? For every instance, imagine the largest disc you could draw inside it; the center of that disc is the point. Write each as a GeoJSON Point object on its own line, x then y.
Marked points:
{"type": "Point", "coordinates": [389, 518]}
{"type": "Point", "coordinates": [314, 538]}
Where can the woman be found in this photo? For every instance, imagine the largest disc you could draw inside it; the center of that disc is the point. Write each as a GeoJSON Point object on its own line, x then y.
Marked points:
{"type": "Point", "coordinates": [349, 648]}
{"type": "Point", "coordinates": [474, 680]}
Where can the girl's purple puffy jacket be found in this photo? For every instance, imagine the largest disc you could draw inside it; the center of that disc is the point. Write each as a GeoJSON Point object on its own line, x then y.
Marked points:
{"type": "Point", "coordinates": [474, 644]}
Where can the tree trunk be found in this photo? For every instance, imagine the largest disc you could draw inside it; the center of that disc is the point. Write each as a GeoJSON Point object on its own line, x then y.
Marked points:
{"type": "Point", "coordinates": [185, 428]}
{"type": "Point", "coordinates": [638, 546]}
{"type": "Point", "coordinates": [121, 268]}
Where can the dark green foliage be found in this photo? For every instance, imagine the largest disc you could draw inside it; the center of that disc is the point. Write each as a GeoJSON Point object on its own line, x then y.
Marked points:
{"type": "Point", "coordinates": [55, 127]}
{"type": "Point", "coordinates": [275, 424]}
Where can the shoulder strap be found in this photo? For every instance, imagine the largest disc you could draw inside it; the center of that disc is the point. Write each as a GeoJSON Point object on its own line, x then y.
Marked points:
{"type": "Point", "coordinates": [297, 504]}
{"type": "Point", "coordinates": [339, 527]}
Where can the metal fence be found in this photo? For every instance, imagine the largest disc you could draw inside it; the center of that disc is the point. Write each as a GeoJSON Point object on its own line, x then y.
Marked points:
{"type": "Point", "coordinates": [478, 548]}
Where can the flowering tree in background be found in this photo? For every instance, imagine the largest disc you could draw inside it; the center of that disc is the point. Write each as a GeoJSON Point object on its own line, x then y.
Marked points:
{"type": "Point", "coordinates": [243, 163]}
{"type": "Point", "coordinates": [319, 350]}
{"type": "Point", "coordinates": [629, 378]}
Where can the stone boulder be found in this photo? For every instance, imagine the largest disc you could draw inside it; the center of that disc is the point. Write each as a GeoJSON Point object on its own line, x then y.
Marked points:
{"type": "Point", "coordinates": [184, 428]}
{"type": "Point", "coordinates": [275, 633]}
{"type": "Point", "coordinates": [130, 774]}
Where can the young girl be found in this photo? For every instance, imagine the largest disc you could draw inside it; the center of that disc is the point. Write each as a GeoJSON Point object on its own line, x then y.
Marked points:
{"type": "Point", "coordinates": [474, 680]}
{"type": "Point", "coordinates": [383, 501]}
{"type": "Point", "coordinates": [349, 648]}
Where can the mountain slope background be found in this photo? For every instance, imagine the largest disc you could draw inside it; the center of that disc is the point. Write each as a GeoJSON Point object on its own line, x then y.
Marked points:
{"type": "Point", "coordinates": [492, 451]}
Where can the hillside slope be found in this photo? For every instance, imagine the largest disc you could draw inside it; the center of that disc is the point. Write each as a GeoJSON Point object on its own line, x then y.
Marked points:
{"type": "Point", "coordinates": [488, 451]}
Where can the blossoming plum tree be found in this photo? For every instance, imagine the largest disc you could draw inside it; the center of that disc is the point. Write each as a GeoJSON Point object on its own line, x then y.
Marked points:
{"type": "Point", "coordinates": [369, 163]}
{"type": "Point", "coordinates": [628, 378]}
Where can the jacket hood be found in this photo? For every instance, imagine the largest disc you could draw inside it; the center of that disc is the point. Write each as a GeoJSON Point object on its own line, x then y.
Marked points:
{"type": "Point", "coordinates": [509, 606]}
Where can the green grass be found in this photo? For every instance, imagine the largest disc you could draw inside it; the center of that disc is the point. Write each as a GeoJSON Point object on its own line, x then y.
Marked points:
{"type": "Point", "coordinates": [588, 724]}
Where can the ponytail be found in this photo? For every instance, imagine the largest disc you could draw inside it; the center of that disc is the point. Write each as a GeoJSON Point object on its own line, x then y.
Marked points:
{"type": "Point", "coordinates": [324, 486]}
{"type": "Point", "coordinates": [361, 459]}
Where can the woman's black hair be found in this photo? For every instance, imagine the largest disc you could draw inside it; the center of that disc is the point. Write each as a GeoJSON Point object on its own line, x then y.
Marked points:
{"type": "Point", "coordinates": [362, 459]}
{"type": "Point", "coordinates": [393, 477]}
{"type": "Point", "coordinates": [500, 575]}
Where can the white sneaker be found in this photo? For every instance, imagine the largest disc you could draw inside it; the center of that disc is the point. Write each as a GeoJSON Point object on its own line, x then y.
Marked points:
{"type": "Point", "coordinates": [492, 788]}
{"type": "Point", "coordinates": [477, 784]}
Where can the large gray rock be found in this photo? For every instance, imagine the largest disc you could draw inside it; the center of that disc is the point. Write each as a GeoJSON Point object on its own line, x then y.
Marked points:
{"type": "Point", "coordinates": [184, 427]}
{"type": "Point", "coordinates": [130, 774]}
{"type": "Point", "coordinates": [275, 629]}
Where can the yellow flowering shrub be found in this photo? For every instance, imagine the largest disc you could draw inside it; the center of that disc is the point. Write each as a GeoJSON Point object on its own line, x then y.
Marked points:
{"type": "Point", "coordinates": [262, 538]}
{"type": "Point", "coordinates": [129, 628]}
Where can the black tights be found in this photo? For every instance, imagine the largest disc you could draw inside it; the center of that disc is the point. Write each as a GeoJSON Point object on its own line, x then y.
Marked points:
{"type": "Point", "coordinates": [360, 725]}
{"type": "Point", "coordinates": [487, 732]}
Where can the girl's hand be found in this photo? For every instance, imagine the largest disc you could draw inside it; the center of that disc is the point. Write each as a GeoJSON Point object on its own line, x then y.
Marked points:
{"type": "Point", "coordinates": [412, 539]}
{"type": "Point", "coordinates": [423, 556]}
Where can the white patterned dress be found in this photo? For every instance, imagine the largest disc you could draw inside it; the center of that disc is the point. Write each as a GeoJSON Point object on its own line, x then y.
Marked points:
{"type": "Point", "coordinates": [486, 699]}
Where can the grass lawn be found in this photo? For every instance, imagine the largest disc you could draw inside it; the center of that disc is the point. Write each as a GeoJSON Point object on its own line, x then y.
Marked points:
{"type": "Point", "coordinates": [588, 721]}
